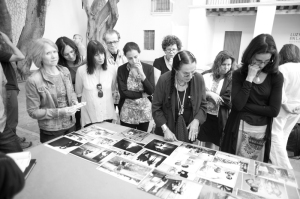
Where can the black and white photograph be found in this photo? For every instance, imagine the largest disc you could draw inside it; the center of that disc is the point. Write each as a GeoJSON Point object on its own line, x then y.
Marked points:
{"type": "Point", "coordinates": [263, 187]}
{"type": "Point", "coordinates": [124, 169]}
{"type": "Point", "coordinates": [92, 152]}
{"type": "Point", "coordinates": [95, 131]}
{"type": "Point", "coordinates": [135, 134]}
{"type": "Point", "coordinates": [275, 173]}
{"type": "Point", "coordinates": [176, 171]}
{"type": "Point", "coordinates": [129, 146]}
{"type": "Point", "coordinates": [209, 192]}
{"type": "Point", "coordinates": [161, 146]}
{"type": "Point", "coordinates": [64, 145]}
{"type": "Point", "coordinates": [247, 195]}
{"type": "Point", "coordinates": [203, 181]}
{"type": "Point", "coordinates": [217, 173]}
{"type": "Point", "coordinates": [79, 137]}
{"type": "Point", "coordinates": [104, 141]}
{"type": "Point", "coordinates": [166, 186]}
{"type": "Point", "coordinates": [232, 162]}
{"type": "Point", "coordinates": [150, 158]}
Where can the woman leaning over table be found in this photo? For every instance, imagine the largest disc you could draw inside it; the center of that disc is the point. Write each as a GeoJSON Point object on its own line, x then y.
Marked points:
{"type": "Point", "coordinates": [69, 57]}
{"type": "Point", "coordinates": [218, 89]}
{"type": "Point", "coordinates": [256, 99]}
{"type": "Point", "coordinates": [94, 85]}
{"type": "Point", "coordinates": [49, 92]}
{"type": "Point", "coordinates": [179, 101]}
{"type": "Point", "coordinates": [135, 83]}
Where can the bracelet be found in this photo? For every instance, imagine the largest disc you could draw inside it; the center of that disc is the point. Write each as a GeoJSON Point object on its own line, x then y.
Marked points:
{"type": "Point", "coordinates": [164, 128]}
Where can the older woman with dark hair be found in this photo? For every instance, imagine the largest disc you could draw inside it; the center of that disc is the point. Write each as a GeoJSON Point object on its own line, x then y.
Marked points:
{"type": "Point", "coordinates": [170, 45]}
{"type": "Point", "coordinates": [218, 89]}
{"type": "Point", "coordinates": [49, 92]}
{"type": "Point", "coordinates": [289, 113]}
{"type": "Point", "coordinates": [256, 98]}
{"type": "Point", "coordinates": [179, 101]}
{"type": "Point", "coordinates": [135, 83]}
{"type": "Point", "coordinates": [95, 83]}
{"type": "Point", "coordinates": [69, 57]}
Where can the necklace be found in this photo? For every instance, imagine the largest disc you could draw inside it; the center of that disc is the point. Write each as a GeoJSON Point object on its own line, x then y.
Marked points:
{"type": "Point", "coordinates": [181, 104]}
{"type": "Point", "coordinates": [184, 83]}
{"type": "Point", "coordinates": [257, 79]}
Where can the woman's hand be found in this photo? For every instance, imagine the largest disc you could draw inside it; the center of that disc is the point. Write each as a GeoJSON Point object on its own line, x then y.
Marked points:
{"type": "Point", "coordinates": [169, 136]}
{"type": "Point", "coordinates": [140, 70]}
{"type": "Point", "coordinates": [253, 69]}
{"type": "Point", "coordinates": [217, 99]}
{"type": "Point", "coordinates": [67, 111]}
{"type": "Point", "coordinates": [193, 128]}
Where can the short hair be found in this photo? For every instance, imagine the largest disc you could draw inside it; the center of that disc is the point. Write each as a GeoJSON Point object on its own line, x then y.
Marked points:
{"type": "Point", "coordinates": [289, 53]}
{"type": "Point", "coordinates": [263, 43]}
{"type": "Point", "coordinates": [78, 35]}
{"type": "Point", "coordinates": [61, 43]}
{"type": "Point", "coordinates": [110, 32]}
{"type": "Point", "coordinates": [171, 40]}
{"type": "Point", "coordinates": [37, 49]}
{"type": "Point", "coordinates": [131, 46]}
{"type": "Point", "coordinates": [93, 48]}
{"type": "Point", "coordinates": [220, 58]}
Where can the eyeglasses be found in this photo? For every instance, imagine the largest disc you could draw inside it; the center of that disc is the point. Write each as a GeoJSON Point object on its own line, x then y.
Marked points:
{"type": "Point", "coordinates": [100, 92]}
{"type": "Point", "coordinates": [171, 50]}
{"type": "Point", "coordinates": [112, 42]}
{"type": "Point", "coordinates": [187, 74]}
{"type": "Point", "coordinates": [70, 53]}
{"type": "Point", "coordinates": [259, 62]}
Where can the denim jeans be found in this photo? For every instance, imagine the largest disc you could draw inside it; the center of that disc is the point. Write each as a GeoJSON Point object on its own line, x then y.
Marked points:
{"type": "Point", "coordinates": [45, 136]}
{"type": "Point", "coordinates": [9, 142]}
{"type": "Point", "coordinates": [12, 109]}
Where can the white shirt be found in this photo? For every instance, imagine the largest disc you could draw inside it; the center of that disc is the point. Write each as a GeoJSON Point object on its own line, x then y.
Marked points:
{"type": "Point", "coordinates": [97, 109]}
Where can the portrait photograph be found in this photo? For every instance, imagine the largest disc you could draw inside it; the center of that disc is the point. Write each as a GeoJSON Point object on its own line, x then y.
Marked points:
{"type": "Point", "coordinates": [161, 146]}
{"type": "Point", "coordinates": [151, 159]}
{"type": "Point", "coordinates": [64, 145]}
{"type": "Point", "coordinates": [129, 146]}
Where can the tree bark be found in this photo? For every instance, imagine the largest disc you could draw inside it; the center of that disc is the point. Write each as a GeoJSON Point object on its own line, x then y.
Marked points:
{"type": "Point", "coordinates": [5, 25]}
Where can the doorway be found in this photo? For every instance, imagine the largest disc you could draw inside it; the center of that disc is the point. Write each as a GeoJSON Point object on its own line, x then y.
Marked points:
{"type": "Point", "coordinates": [232, 43]}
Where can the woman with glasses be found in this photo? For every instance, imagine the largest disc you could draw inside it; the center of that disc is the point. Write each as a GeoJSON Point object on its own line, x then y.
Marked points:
{"type": "Point", "coordinates": [170, 45]}
{"type": "Point", "coordinates": [256, 99]}
{"type": "Point", "coordinates": [179, 101]}
{"type": "Point", "coordinates": [218, 89]}
{"type": "Point", "coordinates": [135, 83]}
{"type": "Point", "coordinates": [69, 57]}
{"type": "Point", "coordinates": [95, 83]}
{"type": "Point", "coordinates": [289, 113]}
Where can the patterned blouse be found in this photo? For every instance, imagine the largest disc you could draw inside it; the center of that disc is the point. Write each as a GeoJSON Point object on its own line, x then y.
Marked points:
{"type": "Point", "coordinates": [135, 111]}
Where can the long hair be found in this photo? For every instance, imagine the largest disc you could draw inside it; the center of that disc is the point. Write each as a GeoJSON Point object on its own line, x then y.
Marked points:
{"type": "Point", "coordinates": [263, 43]}
{"type": "Point", "coordinates": [289, 53]}
{"type": "Point", "coordinates": [220, 58]}
{"type": "Point", "coordinates": [61, 43]}
{"type": "Point", "coordinates": [36, 51]}
{"type": "Point", "coordinates": [93, 48]}
{"type": "Point", "coordinates": [182, 57]}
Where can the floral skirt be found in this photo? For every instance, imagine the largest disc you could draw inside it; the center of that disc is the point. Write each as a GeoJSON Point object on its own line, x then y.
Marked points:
{"type": "Point", "coordinates": [251, 141]}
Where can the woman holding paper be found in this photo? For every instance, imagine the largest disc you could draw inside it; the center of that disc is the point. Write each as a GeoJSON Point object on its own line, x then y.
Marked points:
{"type": "Point", "coordinates": [50, 97]}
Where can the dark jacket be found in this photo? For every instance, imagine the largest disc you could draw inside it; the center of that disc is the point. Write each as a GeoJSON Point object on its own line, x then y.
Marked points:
{"type": "Point", "coordinates": [122, 77]}
{"type": "Point", "coordinates": [164, 113]}
{"type": "Point", "coordinates": [160, 64]}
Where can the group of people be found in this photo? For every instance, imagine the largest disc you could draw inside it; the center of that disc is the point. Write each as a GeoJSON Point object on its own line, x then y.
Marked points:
{"type": "Point", "coordinates": [248, 111]}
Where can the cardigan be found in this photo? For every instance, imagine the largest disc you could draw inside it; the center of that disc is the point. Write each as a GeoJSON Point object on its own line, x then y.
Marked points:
{"type": "Point", "coordinates": [164, 113]}
{"type": "Point", "coordinates": [160, 64]}
{"type": "Point", "coordinates": [242, 96]}
{"type": "Point", "coordinates": [148, 83]}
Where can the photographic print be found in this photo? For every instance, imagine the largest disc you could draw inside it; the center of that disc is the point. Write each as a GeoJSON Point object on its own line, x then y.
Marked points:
{"type": "Point", "coordinates": [129, 146]}
{"type": "Point", "coordinates": [208, 192]}
{"type": "Point", "coordinates": [264, 187]}
{"type": "Point", "coordinates": [64, 145]}
{"type": "Point", "coordinates": [247, 195]}
{"type": "Point", "coordinates": [95, 132]}
{"type": "Point", "coordinates": [200, 152]}
{"type": "Point", "coordinates": [206, 182]}
{"type": "Point", "coordinates": [78, 137]}
{"type": "Point", "coordinates": [161, 146]}
{"type": "Point", "coordinates": [124, 169]}
{"type": "Point", "coordinates": [176, 171]}
{"type": "Point", "coordinates": [104, 141]}
{"type": "Point", "coordinates": [135, 134]}
{"type": "Point", "coordinates": [151, 159]}
{"type": "Point", "coordinates": [232, 162]}
{"type": "Point", "coordinates": [217, 173]}
{"type": "Point", "coordinates": [166, 186]}
{"type": "Point", "coordinates": [275, 173]}
{"type": "Point", "coordinates": [92, 152]}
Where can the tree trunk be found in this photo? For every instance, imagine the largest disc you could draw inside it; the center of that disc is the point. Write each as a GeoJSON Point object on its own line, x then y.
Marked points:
{"type": "Point", "coordinates": [34, 28]}
{"type": "Point", "coordinates": [5, 25]}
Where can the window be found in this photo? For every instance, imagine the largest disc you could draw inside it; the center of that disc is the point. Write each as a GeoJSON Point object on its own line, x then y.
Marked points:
{"type": "Point", "coordinates": [149, 36]}
{"type": "Point", "coordinates": [159, 6]}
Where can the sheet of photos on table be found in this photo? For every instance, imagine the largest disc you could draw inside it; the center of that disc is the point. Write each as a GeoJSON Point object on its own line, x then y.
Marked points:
{"type": "Point", "coordinates": [293, 192]}
{"type": "Point", "coordinates": [166, 186]}
{"type": "Point", "coordinates": [79, 137]}
{"type": "Point", "coordinates": [162, 147]}
{"type": "Point", "coordinates": [134, 134]}
{"type": "Point", "coordinates": [247, 195]}
{"type": "Point", "coordinates": [149, 158]}
{"type": "Point", "coordinates": [93, 153]}
{"type": "Point", "coordinates": [275, 173]}
{"type": "Point", "coordinates": [209, 192]}
{"type": "Point", "coordinates": [124, 169]}
{"type": "Point", "coordinates": [221, 187]}
{"type": "Point", "coordinates": [232, 162]}
{"type": "Point", "coordinates": [63, 145]}
{"type": "Point", "coordinates": [128, 145]}
{"type": "Point", "coordinates": [263, 187]}
{"type": "Point", "coordinates": [95, 131]}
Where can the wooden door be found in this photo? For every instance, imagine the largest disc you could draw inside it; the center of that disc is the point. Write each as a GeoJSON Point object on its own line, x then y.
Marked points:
{"type": "Point", "coordinates": [232, 43]}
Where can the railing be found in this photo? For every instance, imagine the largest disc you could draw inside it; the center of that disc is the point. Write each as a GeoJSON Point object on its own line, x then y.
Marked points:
{"type": "Point", "coordinates": [216, 2]}
{"type": "Point", "coordinates": [161, 6]}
